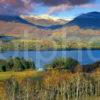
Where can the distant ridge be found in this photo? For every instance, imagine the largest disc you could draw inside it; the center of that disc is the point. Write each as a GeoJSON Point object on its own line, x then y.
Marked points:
{"type": "Point", "coordinates": [89, 20]}
{"type": "Point", "coordinates": [16, 19]}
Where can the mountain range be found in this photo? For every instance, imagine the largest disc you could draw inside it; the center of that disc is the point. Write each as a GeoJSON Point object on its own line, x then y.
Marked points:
{"type": "Point", "coordinates": [88, 20]}
{"type": "Point", "coordinates": [45, 20]}
{"type": "Point", "coordinates": [18, 24]}
{"type": "Point", "coordinates": [30, 21]}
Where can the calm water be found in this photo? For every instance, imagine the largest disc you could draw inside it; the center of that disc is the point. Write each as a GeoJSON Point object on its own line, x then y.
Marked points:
{"type": "Point", "coordinates": [43, 57]}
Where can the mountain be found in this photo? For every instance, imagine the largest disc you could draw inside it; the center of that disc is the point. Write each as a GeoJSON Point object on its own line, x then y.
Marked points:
{"type": "Point", "coordinates": [18, 26]}
{"type": "Point", "coordinates": [89, 20]}
{"type": "Point", "coordinates": [16, 19]}
{"type": "Point", "coordinates": [45, 20]}
{"type": "Point", "coordinates": [22, 20]}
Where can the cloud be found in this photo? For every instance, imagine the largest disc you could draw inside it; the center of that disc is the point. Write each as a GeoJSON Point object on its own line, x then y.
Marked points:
{"type": "Point", "coordinates": [18, 7]}
{"type": "Point", "coordinates": [58, 8]}
{"type": "Point", "coordinates": [67, 6]}
{"type": "Point", "coordinates": [7, 1]}
{"type": "Point", "coordinates": [60, 2]}
{"type": "Point", "coordinates": [90, 6]}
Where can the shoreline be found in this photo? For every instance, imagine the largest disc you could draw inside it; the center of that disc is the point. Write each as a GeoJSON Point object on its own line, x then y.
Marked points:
{"type": "Point", "coordinates": [69, 49]}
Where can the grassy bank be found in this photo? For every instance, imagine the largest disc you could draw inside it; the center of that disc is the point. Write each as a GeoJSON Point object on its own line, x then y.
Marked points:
{"type": "Point", "coordinates": [19, 75]}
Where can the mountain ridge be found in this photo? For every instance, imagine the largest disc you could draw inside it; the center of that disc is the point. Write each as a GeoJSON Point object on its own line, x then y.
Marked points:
{"type": "Point", "coordinates": [18, 19]}
{"type": "Point", "coordinates": [89, 20]}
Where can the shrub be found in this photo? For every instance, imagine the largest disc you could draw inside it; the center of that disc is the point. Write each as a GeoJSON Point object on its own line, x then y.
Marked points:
{"type": "Point", "coordinates": [16, 64]}
{"type": "Point", "coordinates": [29, 64]}
{"type": "Point", "coordinates": [2, 65]}
{"type": "Point", "coordinates": [63, 63]}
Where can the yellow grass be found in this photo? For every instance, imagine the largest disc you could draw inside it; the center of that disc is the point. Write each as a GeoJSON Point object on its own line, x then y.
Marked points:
{"type": "Point", "coordinates": [51, 79]}
{"type": "Point", "coordinates": [18, 75]}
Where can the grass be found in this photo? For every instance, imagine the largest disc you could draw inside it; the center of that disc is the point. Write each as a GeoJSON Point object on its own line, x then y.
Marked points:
{"type": "Point", "coordinates": [18, 75]}
{"type": "Point", "coordinates": [88, 98]}
{"type": "Point", "coordinates": [50, 80]}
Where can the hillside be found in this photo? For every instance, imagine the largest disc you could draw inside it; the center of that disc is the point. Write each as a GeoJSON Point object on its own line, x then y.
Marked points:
{"type": "Point", "coordinates": [34, 27]}
{"type": "Point", "coordinates": [15, 25]}
{"type": "Point", "coordinates": [89, 20]}
{"type": "Point", "coordinates": [45, 20]}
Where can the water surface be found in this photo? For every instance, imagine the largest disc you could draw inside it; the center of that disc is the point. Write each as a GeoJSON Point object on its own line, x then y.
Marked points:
{"type": "Point", "coordinates": [44, 57]}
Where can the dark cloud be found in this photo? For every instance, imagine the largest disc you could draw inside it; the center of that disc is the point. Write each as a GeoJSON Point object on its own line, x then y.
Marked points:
{"type": "Point", "coordinates": [26, 6]}
{"type": "Point", "coordinates": [15, 7]}
{"type": "Point", "coordinates": [79, 2]}
{"type": "Point", "coordinates": [59, 2]}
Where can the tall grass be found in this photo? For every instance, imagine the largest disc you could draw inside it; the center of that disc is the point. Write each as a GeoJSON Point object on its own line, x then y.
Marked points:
{"type": "Point", "coordinates": [54, 85]}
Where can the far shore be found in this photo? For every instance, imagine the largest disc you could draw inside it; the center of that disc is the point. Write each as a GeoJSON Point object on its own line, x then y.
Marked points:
{"type": "Point", "coordinates": [67, 49]}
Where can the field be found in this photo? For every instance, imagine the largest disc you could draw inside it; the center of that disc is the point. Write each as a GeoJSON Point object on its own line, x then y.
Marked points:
{"type": "Point", "coordinates": [17, 75]}
{"type": "Point", "coordinates": [35, 85]}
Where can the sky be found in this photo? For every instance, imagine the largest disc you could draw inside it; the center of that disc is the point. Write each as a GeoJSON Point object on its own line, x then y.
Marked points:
{"type": "Point", "coordinates": [57, 8]}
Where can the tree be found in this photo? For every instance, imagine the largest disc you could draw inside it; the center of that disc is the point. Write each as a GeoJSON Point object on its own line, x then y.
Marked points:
{"type": "Point", "coordinates": [3, 68]}
{"type": "Point", "coordinates": [30, 64]}
{"type": "Point", "coordinates": [2, 65]}
{"type": "Point", "coordinates": [63, 63]}
{"type": "Point", "coordinates": [16, 64]}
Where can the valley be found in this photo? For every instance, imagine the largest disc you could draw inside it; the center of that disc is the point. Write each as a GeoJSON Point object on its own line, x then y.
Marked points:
{"type": "Point", "coordinates": [49, 49]}
{"type": "Point", "coordinates": [61, 36]}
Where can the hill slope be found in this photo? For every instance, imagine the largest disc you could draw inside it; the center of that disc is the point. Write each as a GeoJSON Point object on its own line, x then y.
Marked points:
{"type": "Point", "coordinates": [19, 20]}
{"type": "Point", "coordinates": [18, 25]}
{"type": "Point", "coordinates": [90, 20]}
